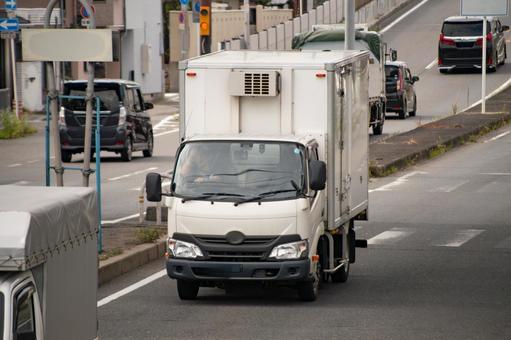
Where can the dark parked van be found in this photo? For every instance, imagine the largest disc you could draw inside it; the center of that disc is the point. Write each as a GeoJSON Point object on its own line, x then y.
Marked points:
{"type": "Point", "coordinates": [401, 97]}
{"type": "Point", "coordinates": [461, 42]}
{"type": "Point", "coordinates": [125, 125]}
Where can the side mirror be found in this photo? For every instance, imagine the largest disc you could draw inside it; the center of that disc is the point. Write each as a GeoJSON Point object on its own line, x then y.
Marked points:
{"type": "Point", "coordinates": [393, 55]}
{"type": "Point", "coordinates": [153, 187]}
{"type": "Point", "coordinates": [148, 106]}
{"type": "Point", "coordinates": [317, 173]}
{"type": "Point", "coordinates": [505, 28]}
{"type": "Point", "coordinates": [415, 78]}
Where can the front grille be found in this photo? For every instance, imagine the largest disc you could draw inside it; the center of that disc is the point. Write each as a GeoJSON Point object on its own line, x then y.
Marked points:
{"type": "Point", "coordinates": [249, 240]}
{"type": "Point", "coordinates": [235, 256]}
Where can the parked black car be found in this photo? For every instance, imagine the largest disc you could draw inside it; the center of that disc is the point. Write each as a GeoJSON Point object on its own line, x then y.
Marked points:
{"type": "Point", "coordinates": [125, 126]}
{"type": "Point", "coordinates": [461, 42]}
{"type": "Point", "coordinates": [401, 97]}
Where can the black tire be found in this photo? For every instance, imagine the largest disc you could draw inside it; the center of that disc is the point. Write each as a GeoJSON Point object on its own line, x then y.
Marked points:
{"type": "Point", "coordinates": [378, 129]}
{"type": "Point", "coordinates": [342, 274]}
{"type": "Point", "coordinates": [65, 156]}
{"type": "Point", "coordinates": [505, 57]}
{"type": "Point", "coordinates": [127, 152]}
{"type": "Point", "coordinates": [150, 145]}
{"type": "Point", "coordinates": [442, 70]}
{"type": "Point", "coordinates": [308, 291]}
{"type": "Point", "coordinates": [187, 290]}
{"type": "Point", "coordinates": [414, 111]}
{"type": "Point", "coordinates": [402, 112]}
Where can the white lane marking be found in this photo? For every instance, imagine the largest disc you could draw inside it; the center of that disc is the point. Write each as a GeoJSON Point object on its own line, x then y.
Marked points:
{"type": "Point", "coordinates": [120, 219]}
{"type": "Point", "coordinates": [504, 244]}
{"type": "Point", "coordinates": [494, 93]}
{"type": "Point", "coordinates": [395, 22]}
{"type": "Point", "coordinates": [496, 173]}
{"type": "Point", "coordinates": [132, 287]}
{"type": "Point", "coordinates": [166, 133]}
{"type": "Point", "coordinates": [132, 174]}
{"type": "Point", "coordinates": [401, 180]}
{"type": "Point", "coordinates": [430, 65]}
{"type": "Point", "coordinates": [461, 237]}
{"type": "Point", "coordinates": [448, 188]}
{"type": "Point", "coordinates": [390, 236]}
{"type": "Point", "coordinates": [33, 161]}
{"type": "Point", "coordinates": [498, 137]}
{"type": "Point", "coordinates": [14, 165]}
{"type": "Point", "coordinates": [169, 120]}
{"type": "Point", "coordinates": [20, 183]}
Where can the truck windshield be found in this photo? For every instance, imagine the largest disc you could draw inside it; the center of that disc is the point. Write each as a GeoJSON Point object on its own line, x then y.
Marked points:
{"type": "Point", "coordinates": [241, 170]}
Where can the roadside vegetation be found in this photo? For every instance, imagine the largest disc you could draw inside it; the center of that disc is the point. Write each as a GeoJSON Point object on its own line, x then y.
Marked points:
{"type": "Point", "coordinates": [14, 127]}
{"type": "Point", "coordinates": [149, 235]}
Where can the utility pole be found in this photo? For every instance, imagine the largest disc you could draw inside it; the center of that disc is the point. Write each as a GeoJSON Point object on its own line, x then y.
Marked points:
{"type": "Point", "coordinates": [349, 20]}
{"type": "Point", "coordinates": [246, 5]}
{"type": "Point", "coordinates": [185, 29]}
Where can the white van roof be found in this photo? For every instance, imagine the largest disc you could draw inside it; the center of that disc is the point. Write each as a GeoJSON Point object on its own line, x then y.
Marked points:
{"type": "Point", "coordinates": [37, 222]}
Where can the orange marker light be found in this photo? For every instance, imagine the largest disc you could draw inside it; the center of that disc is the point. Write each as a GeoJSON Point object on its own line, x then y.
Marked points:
{"type": "Point", "coordinates": [191, 74]}
{"type": "Point", "coordinates": [315, 258]}
{"type": "Point", "coordinates": [320, 75]}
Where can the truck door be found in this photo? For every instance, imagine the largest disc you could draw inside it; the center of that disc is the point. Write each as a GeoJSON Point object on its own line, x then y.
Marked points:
{"type": "Point", "coordinates": [344, 108]}
{"type": "Point", "coordinates": [24, 314]}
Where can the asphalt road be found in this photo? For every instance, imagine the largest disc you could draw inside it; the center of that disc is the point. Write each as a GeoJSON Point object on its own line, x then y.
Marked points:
{"type": "Point", "coordinates": [416, 39]}
{"type": "Point", "coordinates": [437, 267]}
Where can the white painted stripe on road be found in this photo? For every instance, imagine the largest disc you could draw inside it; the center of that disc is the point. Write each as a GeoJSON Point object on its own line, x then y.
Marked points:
{"type": "Point", "coordinates": [166, 133]}
{"type": "Point", "coordinates": [33, 161]}
{"type": "Point", "coordinates": [390, 236]}
{"type": "Point", "coordinates": [461, 237]}
{"type": "Point", "coordinates": [496, 173]}
{"type": "Point", "coordinates": [14, 165]}
{"type": "Point", "coordinates": [132, 287]}
{"type": "Point", "coordinates": [494, 93]}
{"type": "Point", "coordinates": [120, 219]}
{"type": "Point", "coordinates": [498, 137]}
{"type": "Point", "coordinates": [505, 244]}
{"type": "Point", "coordinates": [132, 174]}
{"type": "Point", "coordinates": [20, 183]}
{"type": "Point", "coordinates": [395, 22]}
{"type": "Point", "coordinates": [430, 65]}
{"type": "Point", "coordinates": [448, 188]}
{"type": "Point", "coordinates": [401, 180]}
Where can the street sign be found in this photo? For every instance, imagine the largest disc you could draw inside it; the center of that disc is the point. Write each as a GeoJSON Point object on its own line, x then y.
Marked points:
{"type": "Point", "coordinates": [494, 8]}
{"type": "Point", "coordinates": [84, 13]}
{"type": "Point", "coordinates": [8, 35]}
{"type": "Point", "coordinates": [195, 11]}
{"type": "Point", "coordinates": [9, 5]}
{"type": "Point", "coordinates": [67, 44]}
{"type": "Point", "coordinates": [184, 2]}
{"type": "Point", "coordinates": [9, 25]}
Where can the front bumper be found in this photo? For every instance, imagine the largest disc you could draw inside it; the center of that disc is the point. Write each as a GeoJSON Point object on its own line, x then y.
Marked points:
{"type": "Point", "coordinates": [112, 138]}
{"type": "Point", "coordinates": [238, 271]}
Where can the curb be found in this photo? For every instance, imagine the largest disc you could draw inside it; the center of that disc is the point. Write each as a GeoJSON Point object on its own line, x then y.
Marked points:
{"type": "Point", "coordinates": [441, 146]}
{"type": "Point", "coordinates": [132, 259]}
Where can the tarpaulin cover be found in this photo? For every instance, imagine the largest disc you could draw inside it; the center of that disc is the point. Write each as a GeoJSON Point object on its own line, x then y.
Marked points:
{"type": "Point", "coordinates": [37, 221]}
{"type": "Point", "coordinates": [337, 35]}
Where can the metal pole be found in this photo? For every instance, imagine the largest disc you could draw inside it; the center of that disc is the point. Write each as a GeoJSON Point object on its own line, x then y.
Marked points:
{"type": "Point", "coordinates": [246, 8]}
{"type": "Point", "coordinates": [483, 68]}
{"type": "Point", "coordinates": [98, 174]}
{"type": "Point", "coordinates": [14, 79]}
{"type": "Point", "coordinates": [47, 144]}
{"type": "Point", "coordinates": [349, 20]}
{"type": "Point", "coordinates": [184, 32]}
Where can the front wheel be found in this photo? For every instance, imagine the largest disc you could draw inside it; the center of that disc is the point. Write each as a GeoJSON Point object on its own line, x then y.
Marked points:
{"type": "Point", "coordinates": [404, 109]}
{"type": "Point", "coordinates": [187, 290]}
{"type": "Point", "coordinates": [342, 274]}
{"type": "Point", "coordinates": [150, 145]}
{"type": "Point", "coordinates": [414, 111]}
{"type": "Point", "coordinates": [378, 129]}
{"type": "Point", "coordinates": [65, 156]}
{"type": "Point", "coordinates": [127, 152]}
{"type": "Point", "coordinates": [308, 291]}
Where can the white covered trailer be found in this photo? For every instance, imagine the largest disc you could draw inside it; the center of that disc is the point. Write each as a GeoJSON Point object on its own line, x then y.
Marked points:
{"type": "Point", "coordinates": [48, 263]}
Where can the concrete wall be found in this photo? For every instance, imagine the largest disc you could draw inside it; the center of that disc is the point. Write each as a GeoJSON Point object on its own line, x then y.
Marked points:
{"type": "Point", "coordinates": [143, 28]}
{"type": "Point", "coordinates": [31, 83]}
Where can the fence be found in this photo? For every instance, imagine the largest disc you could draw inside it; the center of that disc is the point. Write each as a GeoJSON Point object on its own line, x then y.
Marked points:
{"type": "Point", "coordinates": [280, 37]}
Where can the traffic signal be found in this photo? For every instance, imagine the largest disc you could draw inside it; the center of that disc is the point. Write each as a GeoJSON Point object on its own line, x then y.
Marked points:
{"type": "Point", "coordinates": [205, 20]}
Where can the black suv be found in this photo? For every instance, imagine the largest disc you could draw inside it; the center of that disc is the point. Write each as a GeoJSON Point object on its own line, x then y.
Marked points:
{"type": "Point", "coordinates": [125, 125]}
{"type": "Point", "coordinates": [401, 97]}
{"type": "Point", "coordinates": [461, 42]}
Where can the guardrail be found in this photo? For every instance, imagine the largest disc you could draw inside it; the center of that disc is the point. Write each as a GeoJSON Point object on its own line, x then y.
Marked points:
{"type": "Point", "coordinates": [159, 205]}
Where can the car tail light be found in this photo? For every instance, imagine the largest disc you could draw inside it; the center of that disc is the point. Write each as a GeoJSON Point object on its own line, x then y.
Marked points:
{"type": "Point", "coordinates": [400, 81]}
{"type": "Point", "coordinates": [62, 116]}
{"type": "Point", "coordinates": [489, 37]}
{"type": "Point", "coordinates": [489, 61]}
{"type": "Point", "coordinates": [122, 116]}
{"type": "Point", "coordinates": [440, 62]}
{"type": "Point", "coordinates": [446, 41]}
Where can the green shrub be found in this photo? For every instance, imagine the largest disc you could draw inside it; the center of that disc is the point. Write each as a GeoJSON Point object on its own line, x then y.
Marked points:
{"type": "Point", "coordinates": [147, 235]}
{"type": "Point", "coordinates": [14, 127]}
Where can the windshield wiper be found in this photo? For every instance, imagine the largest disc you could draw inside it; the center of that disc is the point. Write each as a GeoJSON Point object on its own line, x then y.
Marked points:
{"type": "Point", "coordinates": [252, 170]}
{"type": "Point", "coordinates": [263, 195]}
{"type": "Point", "coordinates": [207, 195]}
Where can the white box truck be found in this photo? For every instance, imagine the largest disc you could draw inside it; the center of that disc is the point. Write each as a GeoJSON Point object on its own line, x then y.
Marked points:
{"type": "Point", "coordinates": [271, 172]}
{"type": "Point", "coordinates": [48, 263]}
{"type": "Point", "coordinates": [331, 37]}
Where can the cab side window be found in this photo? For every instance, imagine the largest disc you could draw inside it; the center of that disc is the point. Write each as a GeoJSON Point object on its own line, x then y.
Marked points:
{"type": "Point", "coordinates": [313, 156]}
{"type": "Point", "coordinates": [408, 75]}
{"type": "Point", "coordinates": [129, 100]}
{"type": "Point", "coordinates": [24, 317]}
{"type": "Point", "coordinates": [137, 102]}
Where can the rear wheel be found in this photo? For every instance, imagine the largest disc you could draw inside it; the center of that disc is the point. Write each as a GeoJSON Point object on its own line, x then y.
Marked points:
{"type": "Point", "coordinates": [414, 111]}
{"type": "Point", "coordinates": [342, 274]}
{"type": "Point", "coordinates": [402, 112]}
{"type": "Point", "coordinates": [187, 290]}
{"type": "Point", "coordinates": [127, 152]}
{"type": "Point", "coordinates": [444, 71]}
{"type": "Point", "coordinates": [503, 61]}
{"type": "Point", "coordinates": [150, 145]}
{"type": "Point", "coordinates": [378, 129]}
{"type": "Point", "coordinates": [65, 156]}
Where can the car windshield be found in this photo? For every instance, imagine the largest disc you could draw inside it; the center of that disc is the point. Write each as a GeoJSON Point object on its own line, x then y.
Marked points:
{"type": "Point", "coordinates": [109, 98]}
{"type": "Point", "coordinates": [464, 29]}
{"type": "Point", "coordinates": [241, 170]}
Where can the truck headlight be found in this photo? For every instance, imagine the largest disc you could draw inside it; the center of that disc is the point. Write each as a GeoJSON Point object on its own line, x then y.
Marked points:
{"type": "Point", "coordinates": [183, 249]}
{"type": "Point", "coordinates": [290, 251]}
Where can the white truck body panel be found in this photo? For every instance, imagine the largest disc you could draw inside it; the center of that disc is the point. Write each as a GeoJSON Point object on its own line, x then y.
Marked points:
{"type": "Point", "coordinates": [48, 236]}
{"type": "Point", "coordinates": [316, 89]}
